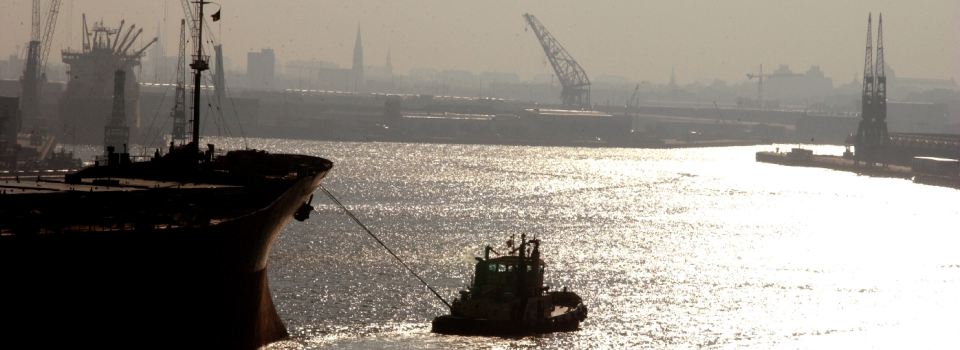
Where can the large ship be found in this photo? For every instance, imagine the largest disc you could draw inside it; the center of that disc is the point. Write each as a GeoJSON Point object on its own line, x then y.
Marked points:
{"type": "Point", "coordinates": [169, 251]}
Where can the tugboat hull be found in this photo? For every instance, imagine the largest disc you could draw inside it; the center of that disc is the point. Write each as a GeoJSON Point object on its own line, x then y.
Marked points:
{"type": "Point", "coordinates": [565, 317]}
{"type": "Point", "coordinates": [565, 322]}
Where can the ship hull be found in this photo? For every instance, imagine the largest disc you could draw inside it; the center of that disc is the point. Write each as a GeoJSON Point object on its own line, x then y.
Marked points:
{"type": "Point", "coordinates": [179, 287]}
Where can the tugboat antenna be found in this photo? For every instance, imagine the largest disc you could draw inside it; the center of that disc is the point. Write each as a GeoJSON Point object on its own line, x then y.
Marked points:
{"type": "Point", "coordinates": [364, 227]}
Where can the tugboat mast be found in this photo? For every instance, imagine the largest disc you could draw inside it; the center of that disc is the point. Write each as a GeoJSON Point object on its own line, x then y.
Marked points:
{"type": "Point", "coordinates": [198, 65]}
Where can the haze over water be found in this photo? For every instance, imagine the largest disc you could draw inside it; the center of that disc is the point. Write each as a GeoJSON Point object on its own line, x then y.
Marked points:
{"type": "Point", "coordinates": [669, 248]}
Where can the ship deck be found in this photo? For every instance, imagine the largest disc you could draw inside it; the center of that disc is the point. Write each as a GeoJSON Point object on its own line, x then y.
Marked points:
{"type": "Point", "coordinates": [34, 205]}
{"type": "Point", "coordinates": [14, 185]}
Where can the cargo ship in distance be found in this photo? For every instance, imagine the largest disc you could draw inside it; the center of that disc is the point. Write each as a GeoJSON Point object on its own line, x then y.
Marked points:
{"type": "Point", "coordinates": [166, 252]}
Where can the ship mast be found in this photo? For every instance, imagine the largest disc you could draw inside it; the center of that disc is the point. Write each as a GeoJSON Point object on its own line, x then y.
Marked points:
{"type": "Point", "coordinates": [198, 65]}
{"type": "Point", "coordinates": [179, 134]}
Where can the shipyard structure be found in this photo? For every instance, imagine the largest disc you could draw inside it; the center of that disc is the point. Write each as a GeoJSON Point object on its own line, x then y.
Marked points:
{"type": "Point", "coordinates": [87, 102]}
{"type": "Point", "coordinates": [929, 158]}
{"type": "Point", "coordinates": [359, 103]}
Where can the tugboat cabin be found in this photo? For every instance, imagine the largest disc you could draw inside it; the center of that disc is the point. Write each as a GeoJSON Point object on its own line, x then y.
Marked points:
{"type": "Point", "coordinates": [501, 278]}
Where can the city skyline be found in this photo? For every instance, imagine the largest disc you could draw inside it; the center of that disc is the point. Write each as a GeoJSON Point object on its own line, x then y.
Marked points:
{"type": "Point", "coordinates": [704, 41]}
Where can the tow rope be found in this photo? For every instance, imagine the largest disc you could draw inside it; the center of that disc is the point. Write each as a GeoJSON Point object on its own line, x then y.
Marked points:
{"type": "Point", "coordinates": [364, 227]}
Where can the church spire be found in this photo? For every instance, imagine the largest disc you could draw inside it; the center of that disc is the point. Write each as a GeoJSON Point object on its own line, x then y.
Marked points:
{"type": "Point", "coordinates": [673, 76]}
{"type": "Point", "coordinates": [389, 65]}
{"type": "Point", "coordinates": [358, 77]}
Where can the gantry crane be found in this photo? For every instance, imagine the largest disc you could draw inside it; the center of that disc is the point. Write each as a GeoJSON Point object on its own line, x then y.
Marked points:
{"type": "Point", "coordinates": [872, 136]}
{"type": "Point", "coordinates": [573, 79]}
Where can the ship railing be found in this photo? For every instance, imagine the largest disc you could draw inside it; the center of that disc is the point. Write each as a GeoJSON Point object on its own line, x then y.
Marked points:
{"type": "Point", "coordinates": [104, 160]}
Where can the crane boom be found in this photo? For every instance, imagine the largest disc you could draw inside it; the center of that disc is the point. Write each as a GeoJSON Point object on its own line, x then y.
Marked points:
{"type": "Point", "coordinates": [140, 52]}
{"type": "Point", "coordinates": [86, 34]}
{"type": "Point", "coordinates": [880, 81]}
{"type": "Point", "coordinates": [127, 44]}
{"type": "Point", "coordinates": [35, 21]}
{"type": "Point", "coordinates": [48, 28]}
{"type": "Point", "coordinates": [573, 79]}
{"type": "Point", "coordinates": [868, 78]}
{"type": "Point", "coordinates": [116, 38]}
{"type": "Point", "coordinates": [118, 43]}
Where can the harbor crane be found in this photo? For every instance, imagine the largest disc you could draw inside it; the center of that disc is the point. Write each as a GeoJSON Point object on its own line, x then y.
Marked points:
{"type": "Point", "coordinates": [38, 49]}
{"type": "Point", "coordinates": [572, 77]}
{"type": "Point", "coordinates": [872, 135]}
{"type": "Point", "coordinates": [760, 76]}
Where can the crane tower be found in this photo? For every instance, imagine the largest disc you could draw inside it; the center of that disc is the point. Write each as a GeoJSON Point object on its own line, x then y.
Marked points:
{"type": "Point", "coordinates": [871, 134]}
{"type": "Point", "coordinates": [573, 79]}
{"type": "Point", "coordinates": [38, 49]}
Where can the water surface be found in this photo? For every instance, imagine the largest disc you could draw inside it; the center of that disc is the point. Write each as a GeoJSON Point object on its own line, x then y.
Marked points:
{"type": "Point", "coordinates": [687, 248]}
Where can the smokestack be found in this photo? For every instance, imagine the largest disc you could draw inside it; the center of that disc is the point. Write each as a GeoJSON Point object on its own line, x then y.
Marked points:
{"type": "Point", "coordinates": [116, 134]}
{"type": "Point", "coordinates": [118, 117]}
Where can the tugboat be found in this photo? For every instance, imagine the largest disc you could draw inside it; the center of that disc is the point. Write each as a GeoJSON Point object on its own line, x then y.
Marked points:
{"type": "Point", "coordinates": [508, 298]}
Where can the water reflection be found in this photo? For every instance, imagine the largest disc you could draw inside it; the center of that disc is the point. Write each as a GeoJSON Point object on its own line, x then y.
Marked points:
{"type": "Point", "coordinates": [669, 248]}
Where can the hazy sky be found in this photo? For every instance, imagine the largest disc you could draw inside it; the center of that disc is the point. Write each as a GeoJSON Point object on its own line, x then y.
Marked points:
{"type": "Point", "coordinates": [638, 39]}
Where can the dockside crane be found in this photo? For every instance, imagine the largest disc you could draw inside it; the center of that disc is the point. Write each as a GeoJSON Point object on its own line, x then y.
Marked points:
{"type": "Point", "coordinates": [872, 135]}
{"type": "Point", "coordinates": [38, 49]}
{"type": "Point", "coordinates": [48, 29]}
{"type": "Point", "coordinates": [572, 77]}
{"type": "Point", "coordinates": [760, 77]}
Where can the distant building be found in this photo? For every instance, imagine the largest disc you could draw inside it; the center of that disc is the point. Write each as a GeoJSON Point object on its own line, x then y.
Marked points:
{"type": "Point", "coordinates": [458, 77]}
{"type": "Point", "coordinates": [11, 68]}
{"type": "Point", "coordinates": [499, 77]}
{"type": "Point", "coordinates": [917, 117]}
{"type": "Point", "coordinates": [335, 79]}
{"type": "Point", "coordinates": [422, 75]}
{"type": "Point", "coordinates": [902, 87]}
{"type": "Point", "coordinates": [353, 79]}
{"type": "Point", "coordinates": [789, 87]}
{"type": "Point", "coordinates": [489, 82]}
{"type": "Point", "coordinates": [925, 84]}
{"type": "Point", "coordinates": [9, 121]}
{"type": "Point", "coordinates": [261, 69]}
{"type": "Point", "coordinates": [611, 79]}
